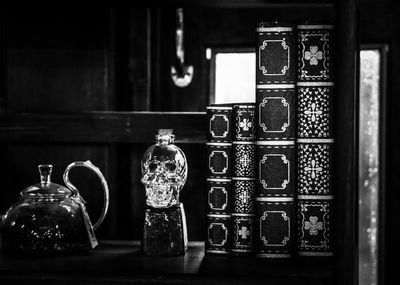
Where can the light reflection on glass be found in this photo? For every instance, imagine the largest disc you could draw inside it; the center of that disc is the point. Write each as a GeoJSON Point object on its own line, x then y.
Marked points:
{"type": "Point", "coordinates": [368, 165]}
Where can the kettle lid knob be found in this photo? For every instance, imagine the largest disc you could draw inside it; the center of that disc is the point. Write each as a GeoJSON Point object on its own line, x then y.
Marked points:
{"type": "Point", "coordinates": [45, 172]}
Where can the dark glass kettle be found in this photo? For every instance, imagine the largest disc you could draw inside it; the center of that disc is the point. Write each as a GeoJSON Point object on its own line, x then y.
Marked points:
{"type": "Point", "coordinates": [51, 219]}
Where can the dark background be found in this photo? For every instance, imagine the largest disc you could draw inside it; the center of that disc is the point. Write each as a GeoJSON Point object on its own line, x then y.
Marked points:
{"type": "Point", "coordinates": [69, 60]}
{"type": "Point", "coordinates": [74, 61]}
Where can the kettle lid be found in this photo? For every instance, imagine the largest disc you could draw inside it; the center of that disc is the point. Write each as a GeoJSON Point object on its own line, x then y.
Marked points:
{"type": "Point", "coordinates": [45, 189]}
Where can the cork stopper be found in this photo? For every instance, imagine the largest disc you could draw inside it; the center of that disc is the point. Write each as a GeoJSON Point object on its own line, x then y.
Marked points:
{"type": "Point", "coordinates": [165, 136]}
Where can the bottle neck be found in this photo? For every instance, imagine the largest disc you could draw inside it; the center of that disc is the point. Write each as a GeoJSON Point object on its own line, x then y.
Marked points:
{"type": "Point", "coordinates": [165, 139]}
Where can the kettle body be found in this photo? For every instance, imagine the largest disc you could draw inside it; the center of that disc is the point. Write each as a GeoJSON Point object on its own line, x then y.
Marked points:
{"type": "Point", "coordinates": [50, 219]}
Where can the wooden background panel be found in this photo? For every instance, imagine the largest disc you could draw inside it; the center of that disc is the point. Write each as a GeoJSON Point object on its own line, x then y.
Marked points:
{"type": "Point", "coordinates": [136, 127]}
{"type": "Point", "coordinates": [66, 28]}
{"type": "Point", "coordinates": [3, 65]}
{"type": "Point", "coordinates": [120, 59]}
{"type": "Point", "coordinates": [4, 169]}
{"type": "Point", "coordinates": [221, 32]}
{"type": "Point", "coordinates": [137, 192]}
{"type": "Point", "coordinates": [194, 193]}
{"type": "Point", "coordinates": [57, 80]}
{"type": "Point", "coordinates": [57, 61]}
{"type": "Point", "coordinates": [139, 58]}
{"type": "Point", "coordinates": [345, 162]}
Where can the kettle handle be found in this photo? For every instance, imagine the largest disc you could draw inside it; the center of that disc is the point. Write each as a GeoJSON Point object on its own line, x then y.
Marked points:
{"type": "Point", "coordinates": [91, 166]}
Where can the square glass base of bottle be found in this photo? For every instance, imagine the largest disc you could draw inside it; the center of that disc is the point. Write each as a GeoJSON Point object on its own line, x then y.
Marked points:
{"type": "Point", "coordinates": [164, 231]}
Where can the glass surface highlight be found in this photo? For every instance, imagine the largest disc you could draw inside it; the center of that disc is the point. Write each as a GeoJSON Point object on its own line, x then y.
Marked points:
{"type": "Point", "coordinates": [369, 165]}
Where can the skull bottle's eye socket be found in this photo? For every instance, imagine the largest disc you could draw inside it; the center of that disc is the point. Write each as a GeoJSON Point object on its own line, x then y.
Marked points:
{"type": "Point", "coordinates": [153, 166]}
{"type": "Point", "coordinates": [170, 166]}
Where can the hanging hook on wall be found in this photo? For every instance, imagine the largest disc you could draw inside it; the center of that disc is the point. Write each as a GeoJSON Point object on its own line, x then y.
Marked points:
{"type": "Point", "coordinates": [181, 74]}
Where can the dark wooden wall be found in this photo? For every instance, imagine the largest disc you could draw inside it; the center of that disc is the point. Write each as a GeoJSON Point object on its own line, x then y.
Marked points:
{"type": "Point", "coordinates": [78, 84]}
{"type": "Point", "coordinates": [67, 62]}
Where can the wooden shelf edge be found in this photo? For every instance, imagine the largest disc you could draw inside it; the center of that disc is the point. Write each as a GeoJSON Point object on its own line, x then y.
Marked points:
{"type": "Point", "coordinates": [101, 127]}
{"type": "Point", "coordinates": [245, 3]}
{"type": "Point", "coordinates": [130, 266]}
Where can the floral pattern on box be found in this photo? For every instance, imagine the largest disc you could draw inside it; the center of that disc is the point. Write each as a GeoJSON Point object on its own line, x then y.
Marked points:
{"type": "Point", "coordinates": [314, 112]}
{"type": "Point", "coordinates": [314, 227]}
{"type": "Point", "coordinates": [314, 169]}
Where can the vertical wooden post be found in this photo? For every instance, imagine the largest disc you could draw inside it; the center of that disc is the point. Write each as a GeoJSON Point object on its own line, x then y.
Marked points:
{"type": "Point", "coordinates": [346, 143]}
{"type": "Point", "coordinates": [3, 62]}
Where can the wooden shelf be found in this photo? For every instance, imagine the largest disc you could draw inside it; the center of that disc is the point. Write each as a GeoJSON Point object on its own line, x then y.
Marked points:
{"type": "Point", "coordinates": [101, 127]}
{"type": "Point", "coordinates": [121, 262]}
{"type": "Point", "coordinates": [67, 79]}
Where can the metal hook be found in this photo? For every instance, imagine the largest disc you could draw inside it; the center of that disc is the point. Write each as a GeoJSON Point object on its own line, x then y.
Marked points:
{"type": "Point", "coordinates": [181, 74]}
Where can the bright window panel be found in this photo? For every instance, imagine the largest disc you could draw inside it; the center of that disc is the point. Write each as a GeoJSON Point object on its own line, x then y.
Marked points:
{"type": "Point", "coordinates": [235, 77]}
{"type": "Point", "coordinates": [369, 165]}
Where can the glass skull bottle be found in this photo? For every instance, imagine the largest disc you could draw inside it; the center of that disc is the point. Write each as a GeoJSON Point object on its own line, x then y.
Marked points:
{"type": "Point", "coordinates": [164, 173]}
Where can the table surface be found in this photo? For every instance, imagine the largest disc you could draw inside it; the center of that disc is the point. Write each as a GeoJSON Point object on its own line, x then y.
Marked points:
{"type": "Point", "coordinates": [121, 262]}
